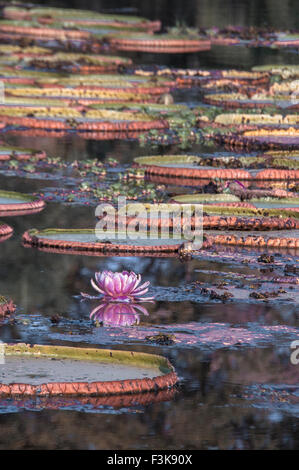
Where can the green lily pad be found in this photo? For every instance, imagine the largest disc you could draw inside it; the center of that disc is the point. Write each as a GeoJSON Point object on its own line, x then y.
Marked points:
{"type": "Point", "coordinates": [13, 203]}
{"type": "Point", "coordinates": [59, 370]}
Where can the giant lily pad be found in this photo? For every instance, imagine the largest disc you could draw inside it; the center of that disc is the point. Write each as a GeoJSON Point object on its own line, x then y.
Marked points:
{"type": "Point", "coordinates": [30, 371]}
{"type": "Point", "coordinates": [232, 119]}
{"type": "Point", "coordinates": [203, 198]}
{"type": "Point", "coordinates": [119, 82]}
{"type": "Point", "coordinates": [12, 203]}
{"type": "Point", "coordinates": [260, 240]}
{"type": "Point", "coordinates": [86, 94]}
{"type": "Point", "coordinates": [42, 32]}
{"type": "Point", "coordinates": [267, 137]}
{"type": "Point", "coordinates": [85, 241]}
{"type": "Point", "coordinates": [286, 71]}
{"type": "Point", "coordinates": [186, 167]}
{"type": "Point", "coordinates": [243, 100]}
{"type": "Point", "coordinates": [8, 152]}
{"type": "Point", "coordinates": [72, 118]}
{"type": "Point", "coordinates": [167, 218]}
{"type": "Point", "coordinates": [76, 62]}
{"type": "Point", "coordinates": [80, 17]}
{"type": "Point", "coordinates": [168, 43]}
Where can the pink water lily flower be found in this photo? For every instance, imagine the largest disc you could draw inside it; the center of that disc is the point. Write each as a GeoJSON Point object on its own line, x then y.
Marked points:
{"type": "Point", "coordinates": [119, 287]}
{"type": "Point", "coordinates": [118, 313]}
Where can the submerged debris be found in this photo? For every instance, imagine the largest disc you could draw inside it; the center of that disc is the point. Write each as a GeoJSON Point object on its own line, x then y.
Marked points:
{"type": "Point", "coordinates": [162, 339]}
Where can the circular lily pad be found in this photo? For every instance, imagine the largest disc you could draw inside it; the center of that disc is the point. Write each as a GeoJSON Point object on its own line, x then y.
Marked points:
{"type": "Point", "coordinates": [31, 30]}
{"type": "Point", "coordinates": [84, 241]}
{"type": "Point", "coordinates": [170, 217]}
{"type": "Point", "coordinates": [261, 240]}
{"type": "Point", "coordinates": [233, 119]}
{"type": "Point", "coordinates": [167, 43]}
{"type": "Point", "coordinates": [97, 82]}
{"type": "Point", "coordinates": [279, 213]}
{"type": "Point", "coordinates": [80, 18]}
{"type": "Point", "coordinates": [84, 95]}
{"type": "Point", "coordinates": [186, 166]}
{"type": "Point", "coordinates": [287, 40]}
{"type": "Point", "coordinates": [148, 108]}
{"type": "Point", "coordinates": [204, 198]}
{"type": "Point", "coordinates": [8, 152]}
{"type": "Point", "coordinates": [80, 63]}
{"type": "Point", "coordinates": [163, 218]}
{"type": "Point", "coordinates": [285, 71]}
{"type": "Point", "coordinates": [31, 371]}
{"type": "Point", "coordinates": [243, 100]}
{"type": "Point", "coordinates": [25, 77]}
{"type": "Point", "coordinates": [261, 138]}
{"type": "Point", "coordinates": [66, 118]}
{"type": "Point", "coordinates": [12, 203]}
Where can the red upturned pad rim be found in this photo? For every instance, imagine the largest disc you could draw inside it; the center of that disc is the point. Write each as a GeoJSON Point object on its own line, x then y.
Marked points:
{"type": "Point", "coordinates": [271, 218]}
{"type": "Point", "coordinates": [254, 241]}
{"type": "Point", "coordinates": [84, 135]}
{"type": "Point", "coordinates": [54, 33]}
{"type": "Point", "coordinates": [103, 254]}
{"type": "Point", "coordinates": [102, 126]}
{"type": "Point", "coordinates": [160, 45]}
{"type": "Point", "coordinates": [208, 99]}
{"type": "Point", "coordinates": [20, 154]}
{"type": "Point", "coordinates": [65, 57]}
{"type": "Point", "coordinates": [31, 206]}
{"type": "Point", "coordinates": [83, 69]}
{"type": "Point", "coordinates": [275, 174]}
{"type": "Point", "coordinates": [178, 181]}
{"type": "Point", "coordinates": [7, 307]}
{"type": "Point", "coordinates": [38, 132]}
{"type": "Point", "coordinates": [153, 167]}
{"type": "Point", "coordinates": [38, 239]}
{"type": "Point", "coordinates": [18, 80]}
{"type": "Point", "coordinates": [124, 126]}
{"type": "Point", "coordinates": [110, 135]}
{"type": "Point", "coordinates": [147, 26]}
{"type": "Point", "coordinates": [139, 90]}
{"type": "Point", "coordinates": [13, 38]}
{"type": "Point", "coordinates": [236, 82]}
{"type": "Point", "coordinates": [160, 50]}
{"type": "Point", "coordinates": [99, 388]}
{"type": "Point", "coordinates": [194, 173]}
{"type": "Point", "coordinates": [214, 222]}
{"type": "Point", "coordinates": [150, 26]}
{"type": "Point", "coordinates": [258, 143]}
{"type": "Point", "coordinates": [77, 102]}
{"type": "Point", "coordinates": [183, 181]}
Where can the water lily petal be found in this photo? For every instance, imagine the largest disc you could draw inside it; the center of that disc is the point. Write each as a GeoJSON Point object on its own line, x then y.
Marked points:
{"type": "Point", "coordinates": [96, 287]}
{"type": "Point", "coordinates": [143, 286]}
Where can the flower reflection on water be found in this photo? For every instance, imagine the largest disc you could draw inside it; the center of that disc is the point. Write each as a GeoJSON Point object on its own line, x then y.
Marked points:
{"type": "Point", "coordinates": [118, 313]}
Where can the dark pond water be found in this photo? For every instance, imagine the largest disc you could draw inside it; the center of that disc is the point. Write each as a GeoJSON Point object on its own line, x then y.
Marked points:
{"type": "Point", "coordinates": [238, 388]}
